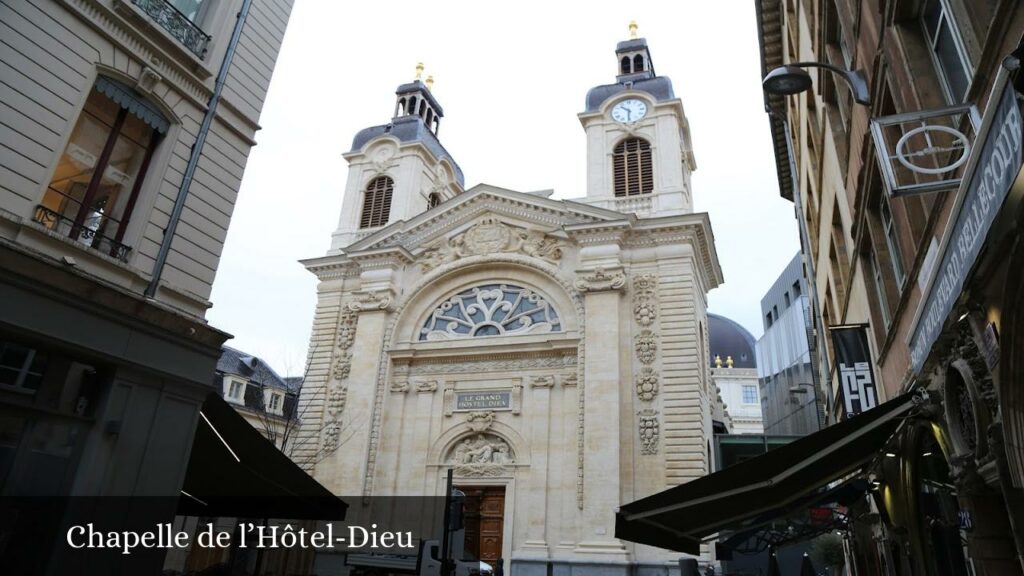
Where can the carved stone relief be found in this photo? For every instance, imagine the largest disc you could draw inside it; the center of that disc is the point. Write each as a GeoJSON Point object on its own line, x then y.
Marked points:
{"type": "Point", "coordinates": [337, 389]}
{"type": "Point", "coordinates": [649, 431]}
{"type": "Point", "coordinates": [426, 385]}
{"type": "Point", "coordinates": [480, 421]}
{"type": "Point", "coordinates": [600, 280]}
{"type": "Point", "coordinates": [646, 347]}
{"type": "Point", "coordinates": [647, 384]}
{"type": "Point", "coordinates": [490, 236]}
{"type": "Point", "coordinates": [542, 381]}
{"type": "Point", "coordinates": [483, 455]}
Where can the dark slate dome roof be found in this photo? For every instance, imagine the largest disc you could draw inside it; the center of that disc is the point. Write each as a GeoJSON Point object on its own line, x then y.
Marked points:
{"type": "Point", "coordinates": [727, 338]}
{"type": "Point", "coordinates": [408, 129]}
{"type": "Point", "coordinates": [659, 87]}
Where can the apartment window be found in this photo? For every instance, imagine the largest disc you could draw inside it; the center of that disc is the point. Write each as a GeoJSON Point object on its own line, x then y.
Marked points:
{"type": "Point", "coordinates": [885, 215]}
{"type": "Point", "coordinates": [768, 320]}
{"type": "Point", "coordinates": [796, 289]}
{"type": "Point", "coordinates": [749, 394]}
{"type": "Point", "coordinates": [775, 313]}
{"type": "Point", "coordinates": [274, 405]}
{"type": "Point", "coordinates": [883, 301]}
{"type": "Point", "coordinates": [785, 297]}
{"type": "Point", "coordinates": [21, 367]}
{"type": "Point", "coordinates": [96, 186]}
{"type": "Point", "coordinates": [946, 48]}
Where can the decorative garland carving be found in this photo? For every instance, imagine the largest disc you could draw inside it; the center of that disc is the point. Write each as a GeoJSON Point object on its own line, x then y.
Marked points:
{"type": "Point", "coordinates": [337, 390]}
{"type": "Point", "coordinates": [599, 281]}
{"type": "Point", "coordinates": [649, 431]}
{"type": "Point", "coordinates": [426, 386]}
{"type": "Point", "coordinates": [480, 421]}
{"type": "Point", "coordinates": [646, 346]}
{"type": "Point", "coordinates": [469, 366]}
{"type": "Point", "coordinates": [490, 236]}
{"type": "Point", "coordinates": [570, 379]}
{"type": "Point", "coordinates": [542, 381]}
{"type": "Point", "coordinates": [647, 384]}
{"type": "Point", "coordinates": [399, 386]}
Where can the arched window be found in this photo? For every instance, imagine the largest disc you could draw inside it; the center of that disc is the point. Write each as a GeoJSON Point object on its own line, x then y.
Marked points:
{"type": "Point", "coordinates": [423, 108]}
{"type": "Point", "coordinates": [377, 202]}
{"type": "Point", "coordinates": [632, 168]}
{"type": "Point", "coordinates": [401, 107]}
{"type": "Point", "coordinates": [433, 200]}
{"type": "Point", "coordinates": [412, 106]}
{"type": "Point", "coordinates": [638, 63]}
{"type": "Point", "coordinates": [491, 310]}
{"type": "Point", "coordinates": [625, 65]}
{"type": "Point", "coordinates": [430, 117]}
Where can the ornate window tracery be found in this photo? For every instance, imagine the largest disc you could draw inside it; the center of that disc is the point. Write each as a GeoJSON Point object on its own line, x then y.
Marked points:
{"type": "Point", "coordinates": [491, 310]}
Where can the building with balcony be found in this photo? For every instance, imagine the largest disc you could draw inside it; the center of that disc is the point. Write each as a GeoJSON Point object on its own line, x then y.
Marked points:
{"type": "Point", "coordinates": [113, 214]}
{"type": "Point", "coordinates": [909, 210]}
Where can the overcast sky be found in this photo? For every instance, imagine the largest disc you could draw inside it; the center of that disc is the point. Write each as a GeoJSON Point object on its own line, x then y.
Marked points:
{"type": "Point", "coordinates": [511, 78]}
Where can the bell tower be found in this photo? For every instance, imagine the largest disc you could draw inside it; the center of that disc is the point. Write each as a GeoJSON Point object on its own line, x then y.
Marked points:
{"type": "Point", "coordinates": [639, 154]}
{"type": "Point", "coordinates": [397, 170]}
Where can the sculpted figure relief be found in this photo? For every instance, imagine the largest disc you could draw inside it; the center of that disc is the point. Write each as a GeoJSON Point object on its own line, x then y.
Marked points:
{"type": "Point", "coordinates": [491, 236]}
{"type": "Point", "coordinates": [481, 455]}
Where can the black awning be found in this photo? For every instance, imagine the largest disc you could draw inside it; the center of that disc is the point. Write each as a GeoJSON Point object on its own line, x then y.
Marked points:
{"type": "Point", "coordinates": [234, 471]}
{"type": "Point", "coordinates": [752, 491]}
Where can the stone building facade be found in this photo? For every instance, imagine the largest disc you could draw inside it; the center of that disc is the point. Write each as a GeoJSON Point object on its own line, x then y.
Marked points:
{"type": "Point", "coordinates": [550, 352]}
{"type": "Point", "coordinates": [909, 209]}
{"type": "Point", "coordinates": [103, 369]}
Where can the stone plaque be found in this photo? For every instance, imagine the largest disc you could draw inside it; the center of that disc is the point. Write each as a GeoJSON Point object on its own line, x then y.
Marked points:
{"type": "Point", "coordinates": [497, 400]}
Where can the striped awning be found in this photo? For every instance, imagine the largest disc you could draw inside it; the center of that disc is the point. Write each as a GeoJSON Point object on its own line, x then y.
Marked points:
{"type": "Point", "coordinates": [132, 101]}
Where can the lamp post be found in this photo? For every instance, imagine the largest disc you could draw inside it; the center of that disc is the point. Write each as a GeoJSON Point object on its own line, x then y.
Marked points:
{"type": "Point", "coordinates": [793, 79]}
{"type": "Point", "coordinates": [798, 389]}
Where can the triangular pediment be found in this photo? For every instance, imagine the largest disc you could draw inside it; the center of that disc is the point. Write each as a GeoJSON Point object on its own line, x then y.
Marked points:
{"type": "Point", "coordinates": [524, 214]}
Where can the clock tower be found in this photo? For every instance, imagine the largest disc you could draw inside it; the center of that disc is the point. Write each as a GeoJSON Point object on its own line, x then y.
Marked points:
{"type": "Point", "coordinates": [639, 154]}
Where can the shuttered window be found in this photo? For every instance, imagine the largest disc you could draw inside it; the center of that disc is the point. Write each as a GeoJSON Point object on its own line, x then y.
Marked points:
{"type": "Point", "coordinates": [377, 202]}
{"type": "Point", "coordinates": [632, 166]}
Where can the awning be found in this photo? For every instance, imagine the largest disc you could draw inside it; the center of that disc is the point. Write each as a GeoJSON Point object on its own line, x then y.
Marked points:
{"type": "Point", "coordinates": [753, 491]}
{"type": "Point", "coordinates": [130, 100]}
{"type": "Point", "coordinates": [234, 471]}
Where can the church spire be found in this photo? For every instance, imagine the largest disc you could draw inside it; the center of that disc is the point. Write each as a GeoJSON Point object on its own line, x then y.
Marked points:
{"type": "Point", "coordinates": [415, 100]}
{"type": "Point", "coordinates": [634, 58]}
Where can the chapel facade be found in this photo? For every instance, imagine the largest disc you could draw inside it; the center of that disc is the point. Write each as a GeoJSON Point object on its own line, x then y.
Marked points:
{"type": "Point", "coordinates": [551, 352]}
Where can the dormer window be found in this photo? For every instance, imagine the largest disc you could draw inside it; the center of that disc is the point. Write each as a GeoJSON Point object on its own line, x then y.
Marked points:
{"type": "Point", "coordinates": [234, 390]}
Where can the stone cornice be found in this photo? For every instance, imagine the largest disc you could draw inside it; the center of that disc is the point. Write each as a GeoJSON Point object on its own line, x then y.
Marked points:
{"type": "Point", "coordinates": [609, 232]}
{"type": "Point", "coordinates": [695, 228]}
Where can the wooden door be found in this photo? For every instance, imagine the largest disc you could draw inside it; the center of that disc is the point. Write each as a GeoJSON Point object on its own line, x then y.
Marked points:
{"type": "Point", "coordinates": [484, 522]}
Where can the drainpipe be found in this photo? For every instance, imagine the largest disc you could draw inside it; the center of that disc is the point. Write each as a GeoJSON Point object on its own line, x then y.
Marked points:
{"type": "Point", "coordinates": [197, 151]}
{"type": "Point", "coordinates": [821, 351]}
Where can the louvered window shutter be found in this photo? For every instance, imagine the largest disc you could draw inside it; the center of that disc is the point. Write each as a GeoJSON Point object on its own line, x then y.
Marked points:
{"type": "Point", "coordinates": [632, 168]}
{"type": "Point", "coordinates": [377, 202]}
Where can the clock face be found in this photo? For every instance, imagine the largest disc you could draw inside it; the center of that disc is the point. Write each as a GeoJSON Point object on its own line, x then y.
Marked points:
{"type": "Point", "coordinates": [630, 110]}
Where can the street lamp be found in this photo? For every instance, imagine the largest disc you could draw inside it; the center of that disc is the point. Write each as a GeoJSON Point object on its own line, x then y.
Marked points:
{"type": "Point", "coordinates": [799, 389]}
{"type": "Point", "coordinates": [793, 79]}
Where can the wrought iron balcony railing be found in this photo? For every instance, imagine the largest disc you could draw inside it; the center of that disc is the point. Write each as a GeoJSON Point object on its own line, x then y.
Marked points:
{"type": "Point", "coordinates": [176, 24]}
{"type": "Point", "coordinates": [84, 234]}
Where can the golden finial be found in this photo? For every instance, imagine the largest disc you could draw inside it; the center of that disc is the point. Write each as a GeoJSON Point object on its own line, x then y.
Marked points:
{"type": "Point", "coordinates": [419, 70]}
{"type": "Point", "coordinates": [632, 29]}
{"type": "Point", "coordinates": [718, 361]}
{"type": "Point", "coordinates": [728, 361]}
{"type": "Point", "coordinates": [430, 82]}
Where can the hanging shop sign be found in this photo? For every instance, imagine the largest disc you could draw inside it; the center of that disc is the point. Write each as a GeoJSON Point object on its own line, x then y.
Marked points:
{"type": "Point", "coordinates": [853, 362]}
{"type": "Point", "coordinates": [990, 177]}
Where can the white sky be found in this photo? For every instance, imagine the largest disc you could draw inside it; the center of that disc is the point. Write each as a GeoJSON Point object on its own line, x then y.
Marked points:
{"type": "Point", "coordinates": [511, 78]}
